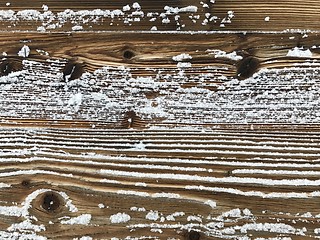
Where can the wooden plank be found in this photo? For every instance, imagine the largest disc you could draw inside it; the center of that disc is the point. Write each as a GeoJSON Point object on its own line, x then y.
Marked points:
{"type": "Point", "coordinates": [169, 15]}
{"type": "Point", "coordinates": [225, 78]}
{"type": "Point", "coordinates": [159, 184]}
{"type": "Point", "coordinates": [159, 120]}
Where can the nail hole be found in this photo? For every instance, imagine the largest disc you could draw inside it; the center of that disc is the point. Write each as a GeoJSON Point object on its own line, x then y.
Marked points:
{"type": "Point", "coordinates": [247, 67]}
{"type": "Point", "coordinates": [25, 183]}
{"type": "Point", "coordinates": [5, 68]}
{"type": "Point", "coordinates": [51, 202]}
{"type": "Point", "coordinates": [193, 235]}
{"type": "Point", "coordinates": [72, 71]}
{"type": "Point", "coordinates": [128, 54]}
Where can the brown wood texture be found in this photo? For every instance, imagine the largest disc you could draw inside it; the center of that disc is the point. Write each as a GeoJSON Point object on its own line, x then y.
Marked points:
{"type": "Point", "coordinates": [168, 15]}
{"type": "Point", "coordinates": [159, 120]}
{"type": "Point", "coordinates": [166, 184]}
{"type": "Point", "coordinates": [150, 88]}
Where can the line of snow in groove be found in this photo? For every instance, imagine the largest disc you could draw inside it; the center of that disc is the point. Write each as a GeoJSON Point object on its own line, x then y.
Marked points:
{"type": "Point", "coordinates": [237, 180]}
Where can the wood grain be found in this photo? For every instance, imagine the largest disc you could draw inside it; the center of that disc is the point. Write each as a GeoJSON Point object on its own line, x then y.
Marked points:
{"type": "Point", "coordinates": [159, 119]}
{"type": "Point", "coordinates": [264, 183]}
{"type": "Point", "coordinates": [231, 78]}
{"type": "Point", "coordinates": [97, 15]}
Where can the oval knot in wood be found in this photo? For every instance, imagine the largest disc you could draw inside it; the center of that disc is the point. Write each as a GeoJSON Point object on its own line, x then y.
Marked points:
{"type": "Point", "coordinates": [193, 235]}
{"type": "Point", "coordinates": [128, 54]}
{"type": "Point", "coordinates": [51, 202]}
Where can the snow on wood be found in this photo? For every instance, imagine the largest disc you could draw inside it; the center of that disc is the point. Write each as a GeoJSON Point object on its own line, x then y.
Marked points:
{"type": "Point", "coordinates": [24, 51]}
{"type": "Point", "coordinates": [299, 52]}
{"type": "Point", "coordinates": [120, 218]}
{"type": "Point", "coordinates": [159, 120]}
{"type": "Point", "coordinates": [83, 219]}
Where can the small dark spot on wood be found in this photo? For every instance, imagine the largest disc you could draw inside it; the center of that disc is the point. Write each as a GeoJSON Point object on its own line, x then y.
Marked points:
{"type": "Point", "coordinates": [51, 202]}
{"type": "Point", "coordinates": [131, 117]}
{"type": "Point", "coordinates": [25, 183]}
{"type": "Point", "coordinates": [127, 54]}
{"type": "Point", "coordinates": [6, 68]}
{"type": "Point", "coordinates": [247, 67]}
{"type": "Point", "coordinates": [72, 70]}
{"type": "Point", "coordinates": [154, 104]}
{"type": "Point", "coordinates": [152, 94]}
{"type": "Point", "coordinates": [242, 35]}
{"type": "Point", "coordinates": [193, 235]}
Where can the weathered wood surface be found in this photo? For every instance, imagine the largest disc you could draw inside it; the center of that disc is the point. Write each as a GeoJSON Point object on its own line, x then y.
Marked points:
{"type": "Point", "coordinates": [227, 184]}
{"type": "Point", "coordinates": [159, 120]}
{"type": "Point", "coordinates": [169, 15]}
{"type": "Point", "coordinates": [151, 88]}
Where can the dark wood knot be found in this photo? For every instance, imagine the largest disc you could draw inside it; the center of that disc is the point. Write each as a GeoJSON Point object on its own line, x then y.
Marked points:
{"type": "Point", "coordinates": [193, 235]}
{"type": "Point", "coordinates": [128, 54]}
{"type": "Point", "coordinates": [72, 70]}
{"type": "Point", "coordinates": [247, 67]}
{"type": "Point", "coordinates": [51, 202]}
{"type": "Point", "coordinates": [25, 183]}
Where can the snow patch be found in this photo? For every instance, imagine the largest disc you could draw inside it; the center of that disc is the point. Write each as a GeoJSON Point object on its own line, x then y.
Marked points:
{"type": "Point", "coordinates": [75, 101]}
{"type": "Point", "coordinates": [268, 227]}
{"type": "Point", "coordinates": [140, 146]}
{"type": "Point", "coordinates": [101, 205]}
{"type": "Point", "coordinates": [136, 209]}
{"type": "Point", "coordinates": [120, 218]}
{"type": "Point", "coordinates": [173, 216]}
{"type": "Point", "coordinates": [84, 238]}
{"type": "Point", "coordinates": [77, 28]}
{"type": "Point", "coordinates": [24, 51]}
{"type": "Point", "coordinates": [176, 10]}
{"type": "Point", "coordinates": [299, 52]}
{"type": "Point", "coordinates": [166, 195]}
{"type": "Point", "coordinates": [26, 226]}
{"type": "Point", "coordinates": [136, 5]}
{"type": "Point", "coordinates": [192, 218]}
{"type": "Point", "coordinates": [211, 203]}
{"type": "Point", "coordinates": [83, 219]}
{"type": "Point", "coordinates": [140, 184]}
{"type": "Point", "coordinates": [129, 192]}
{"type": "Point", "coordinates": [152, 215]}
{"type": "Point", "coordinates": [184, 65]}
{"type": "Point", "coordinates": [45, 7]}
{"type": "Point", "coordinates": [222, 54]}
{"type": "Point", "coordinates": [181, 57]}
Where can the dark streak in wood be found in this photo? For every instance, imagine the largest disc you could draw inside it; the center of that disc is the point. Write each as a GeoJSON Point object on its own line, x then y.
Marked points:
{"type": "Point", "coordinates": [5, 67]}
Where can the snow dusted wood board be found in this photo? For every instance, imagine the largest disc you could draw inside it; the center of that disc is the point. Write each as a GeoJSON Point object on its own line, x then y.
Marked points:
{"type": "Point", "coordinates": [159, 120]}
